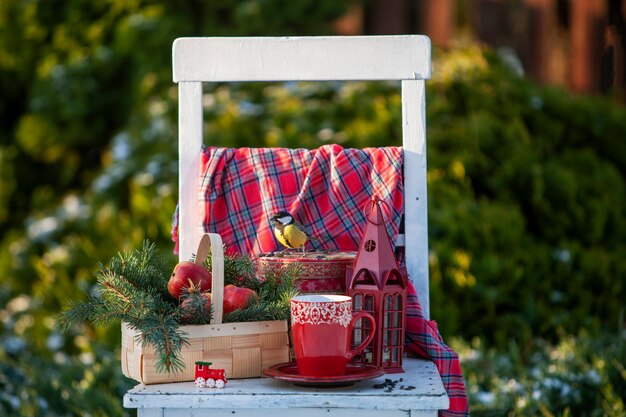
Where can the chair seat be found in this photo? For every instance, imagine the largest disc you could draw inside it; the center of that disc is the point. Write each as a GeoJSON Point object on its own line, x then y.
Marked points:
{"type": "Point", "coordinates": [269, 397]}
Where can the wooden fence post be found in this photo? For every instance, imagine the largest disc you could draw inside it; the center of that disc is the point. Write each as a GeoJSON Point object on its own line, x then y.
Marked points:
{"type": "Point", "coordinates": [438, 20]}
{"type": "Point", "coordinates": [587, 44]}
{"type": "Point", "coordinates": [540, 19]}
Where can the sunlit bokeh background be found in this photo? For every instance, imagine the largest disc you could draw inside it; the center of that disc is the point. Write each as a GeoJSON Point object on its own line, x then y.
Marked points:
{"type": "Point", "coordinates": [527, 168]}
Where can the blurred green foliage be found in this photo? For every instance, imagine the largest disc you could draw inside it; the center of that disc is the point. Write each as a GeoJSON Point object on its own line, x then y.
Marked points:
{"type": "Point", "coordinates": [579, 376]}
{"type": "Point", "coordinates": [527, 207]}
{"type": "Point", "coordinates": [526, 192]}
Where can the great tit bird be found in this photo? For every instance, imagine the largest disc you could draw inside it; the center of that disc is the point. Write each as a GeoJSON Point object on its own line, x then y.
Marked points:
{"type": "Point", "coordinates": [289, 232]}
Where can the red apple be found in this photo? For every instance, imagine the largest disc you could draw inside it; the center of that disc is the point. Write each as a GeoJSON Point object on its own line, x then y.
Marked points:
{"type": "Point", "coordinates": [236, 298]}
{"type": "Point", "coordinates": [188, 274]}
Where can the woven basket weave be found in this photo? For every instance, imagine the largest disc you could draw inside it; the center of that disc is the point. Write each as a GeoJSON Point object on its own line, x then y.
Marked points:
{"type": "Point", "coordinates": [243, 350]}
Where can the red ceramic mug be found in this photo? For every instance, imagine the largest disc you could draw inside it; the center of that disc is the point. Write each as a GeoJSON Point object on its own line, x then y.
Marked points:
{"type": "Point", "coordinates": [321, 328]}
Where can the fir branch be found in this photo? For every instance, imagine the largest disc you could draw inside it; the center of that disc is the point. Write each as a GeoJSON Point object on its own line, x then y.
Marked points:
{"type": "Point", "coordinates": [264, 310]}
{"type": "Point", "coordinates": [163, 334]}
{"type": "Point", "coordinates": [275, 293]}
{"type": "Point", "coordinates": [77, 313]}
{"type": "Point", "coordinates": [114, 286]}
{"type": "Point", "coordinates": [133, 289]}
{"type": "Point", "coordinates": [196, 308]}
{"type": "Point", "coordinates": [238, 270]}
{"type": "Point", "coordinates": [143, 268]}
{"type": "Point", "coordinates": [279, 281]}
{"type": "Point", "coordinates": [255, 312]}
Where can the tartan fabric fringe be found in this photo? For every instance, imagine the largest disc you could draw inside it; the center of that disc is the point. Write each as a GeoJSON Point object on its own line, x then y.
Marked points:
{"type": "Point", "coordinates": [422, 338]}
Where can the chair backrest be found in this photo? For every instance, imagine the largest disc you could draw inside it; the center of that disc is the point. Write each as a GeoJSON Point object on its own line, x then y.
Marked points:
{"type": "Point", "coordinates": [338, 58]}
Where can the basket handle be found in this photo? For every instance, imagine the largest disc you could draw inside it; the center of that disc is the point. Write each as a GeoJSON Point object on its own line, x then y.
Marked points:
{"type": "Point", "coordinates": [213, 242]}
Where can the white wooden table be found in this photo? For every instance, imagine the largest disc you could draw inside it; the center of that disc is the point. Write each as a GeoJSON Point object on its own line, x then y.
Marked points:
{"type": "Point", "coordinates": [269, 397]}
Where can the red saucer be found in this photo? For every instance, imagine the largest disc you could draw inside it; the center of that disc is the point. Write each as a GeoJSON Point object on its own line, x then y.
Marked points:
{"type": "Point", "coordinates": [355, 372]}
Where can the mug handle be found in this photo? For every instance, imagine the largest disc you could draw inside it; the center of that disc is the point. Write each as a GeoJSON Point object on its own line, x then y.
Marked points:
{"type": "Point", "coordinates": [356, 316]}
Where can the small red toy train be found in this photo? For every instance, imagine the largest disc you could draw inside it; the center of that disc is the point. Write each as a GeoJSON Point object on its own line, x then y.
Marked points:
{"type": "Point", "coordinates": [210, 378]}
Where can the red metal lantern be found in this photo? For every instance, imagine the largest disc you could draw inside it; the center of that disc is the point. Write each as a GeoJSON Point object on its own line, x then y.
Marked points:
{"type": "Point", "coordinates": [377, 284]}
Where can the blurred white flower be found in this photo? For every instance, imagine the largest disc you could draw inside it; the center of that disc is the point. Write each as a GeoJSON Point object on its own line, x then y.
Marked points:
{"type": "Point", "coordinates": [19, 304]}
{"type": "Point", "coordinates": [484, 397]}
{"type": "Point", "coordinates": [14, 345]}
{"type": "Point", "coordinates": [87, 358]}
{"type": "Point", "coordinates": [54, 342]}
{"type": "Point", "coordinates": [39, 229]}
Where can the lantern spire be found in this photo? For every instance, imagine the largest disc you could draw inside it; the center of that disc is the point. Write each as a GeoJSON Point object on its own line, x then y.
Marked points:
{"type": "Point", "coordinates": [376, 251]}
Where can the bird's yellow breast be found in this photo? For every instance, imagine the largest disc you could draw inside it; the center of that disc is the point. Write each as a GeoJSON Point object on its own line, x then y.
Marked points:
{"type": "Point", "coordinates": [290, 236]}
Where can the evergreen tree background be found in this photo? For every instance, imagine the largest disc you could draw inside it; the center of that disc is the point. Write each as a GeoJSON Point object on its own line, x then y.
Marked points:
{"type": "Point", "coordinates": [526, 196]}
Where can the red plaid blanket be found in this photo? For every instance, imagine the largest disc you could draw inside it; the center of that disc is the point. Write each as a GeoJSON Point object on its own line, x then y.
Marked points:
{"type": "Point", "coordinates": [326, 190]}
{"type": "Point", "coordinates": [423, 339]}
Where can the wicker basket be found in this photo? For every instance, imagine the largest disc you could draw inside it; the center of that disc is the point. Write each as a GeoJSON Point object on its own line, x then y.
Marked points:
{"type": "Point", "coordinates": [242, 349]}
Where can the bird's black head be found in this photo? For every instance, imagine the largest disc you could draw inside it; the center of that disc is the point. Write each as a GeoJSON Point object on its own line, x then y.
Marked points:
{"type": "Point", "coordinates": [282, 217]}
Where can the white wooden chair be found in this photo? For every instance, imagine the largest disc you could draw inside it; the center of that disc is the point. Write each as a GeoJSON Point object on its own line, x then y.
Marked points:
{"type": "Point", "coordinates": [404, 58]}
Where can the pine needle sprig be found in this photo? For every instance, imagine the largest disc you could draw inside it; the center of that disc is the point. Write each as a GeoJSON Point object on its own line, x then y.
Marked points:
{"type": "Point", "coordinates": [277, 282]}
{"type": "Point", "coordinates": [196, 308]}
{"type": "Point", "coordinates": [79, 312]}
{"type": "Point", "coordinates": [162, 332]}
{"type": "Point", "coordinates": [256, 312]}
{"type": "Point", "coordinates": [238, 270]}
{"type": "Point", "coordinates": [116, 289]}
{"type": "Point", "coordinates": [142, 268]}
{"type": "Point", "coordinates": [275, 290]}
{"type": "Point", "coordinates": [263, 310]}
{"type": "Point", "coordinates": [133, 289]}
